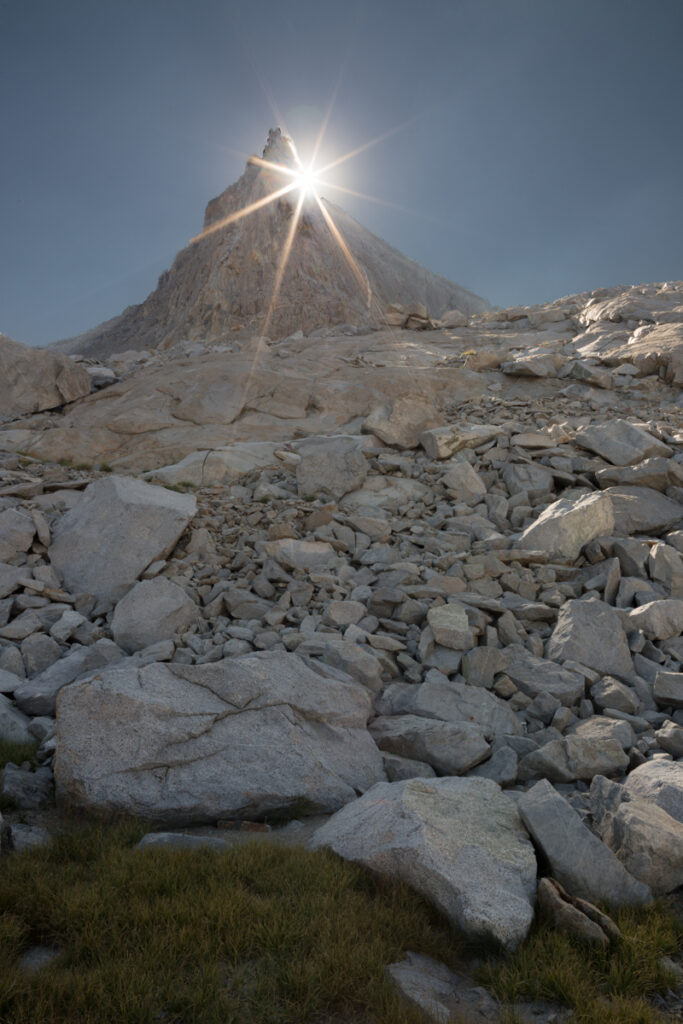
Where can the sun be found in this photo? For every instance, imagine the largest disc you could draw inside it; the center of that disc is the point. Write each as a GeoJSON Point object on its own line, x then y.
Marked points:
{"type": "Point", "coordinates": [306, 180]}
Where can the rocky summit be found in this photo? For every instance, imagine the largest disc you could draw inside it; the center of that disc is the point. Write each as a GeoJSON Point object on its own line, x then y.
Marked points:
{"type": "Point", "coordinates": [424, 583]}
{"type": "Point", "coordinates": [223, 282]}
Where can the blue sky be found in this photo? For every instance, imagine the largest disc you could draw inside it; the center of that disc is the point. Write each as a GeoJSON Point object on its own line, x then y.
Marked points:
{"type": "Point", "coordinates": [542, 153]}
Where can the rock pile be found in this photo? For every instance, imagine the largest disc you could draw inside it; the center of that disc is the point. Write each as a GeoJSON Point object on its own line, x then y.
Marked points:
{"type": "Point", "coordinates": [456, 628]}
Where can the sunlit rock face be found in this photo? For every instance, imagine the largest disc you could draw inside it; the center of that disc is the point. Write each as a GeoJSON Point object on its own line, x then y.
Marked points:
{"type": "Point", "coordinates": [222, 283]}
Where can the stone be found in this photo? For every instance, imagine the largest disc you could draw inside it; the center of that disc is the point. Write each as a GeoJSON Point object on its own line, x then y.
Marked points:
{"type": "Point", "coordinates": [457, 841]}
{"type": "Point", "coordinates": [399, 768]}
{"type": "Point", "coordinates": [311, 555]}
{"type": "Point", "coordinates": [184, 744]}
{"type": "Point", "coordinates": [17, 531]}
{"type": "Point", "coordinates": [599, 728]}
{"type": "Point", "coordinates": [670, 739]}
{"type": "Point", "coordinates": [668, 689]}
{"type": "Point", "coordinates": [647, 840]}
{"type": "Point", "coordinates": [330, 467]}
{"type": "Point", "coordinates": [591, 633]}
{"type": "Point", "coordinates": [578, 859]}
{"type": "Point", "coordinates": [182, 841]}
{"type": "Point", "coordinates": [642, 510]}
{"type": "Point", "coordinates": [218, 466]}
{"type": "Point", "coordinates": [533, 675]}
{"type": "Point", "coordinates": [451, 748]}
{"type": "Point", "coordinates": [588, 374]}
{"type": "Point", "coordinates": [440, 994]}
{"type": "Point", "coordinates": [574, 757]}
{"type": "Point", "coordinates": [442, 442]}
{"type": "Point", "coordinates": [659, 620]}
{"type": "Point", "coordinates": [354, 659]}
{"type": "Point", "coordinates": [656, 473]}
{"type": "Point", "coordinates": [28, 837]}
{"type": "Point", "coordinates": [531, 478]}
{"type": "Point", "coordinates": [14, 725]}
{"type": "Point", "coordinates": [39, 652]}
{"type": "Point", "coordinates": [402, 421]}
{"type": "Point", "coordinates": [152, 611]}
{"type": "Point", "coordinates": [566, 526]}
{"type": "Point", "coordinates": [454, 701]}
{"type": "Point", "coordinates": [610, 693]}
{"type": "Point", "coordinates": [501, 767]}
{"type": "Point", "coordinates": [620, 442]}
{"type": "Point", "coordinates": [10, 575]}
{"type": "Point", "coordinates": [659, 782]}
{"type": "Point", "coordinates": [567, 918]}
{"type": "Point", "coordinates": [344, 613]}
{"type": "Point", "coordinates": [37, 696]}
{"type": "Point", "coordinates": [465, 482]}
{"type": "Point", "coordinates": [34, 379]}
{"type": "Point", "coordinates": [450, 626]}
{"type": "Point", "coordinates": [141, 523]}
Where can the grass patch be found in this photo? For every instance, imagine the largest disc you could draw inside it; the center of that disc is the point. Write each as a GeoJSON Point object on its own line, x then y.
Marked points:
{"type": "Point", "coordinates": [268, 934]}
{"type": "Point", "coordinates": [17, 753]}
{"type": "Point", "coordinates": [602, 986]}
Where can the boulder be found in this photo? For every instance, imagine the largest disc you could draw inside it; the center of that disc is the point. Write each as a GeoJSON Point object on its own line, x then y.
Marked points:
{"type": "Point", "coordinates": [564, 527]}
{"type": "Point", "coordinates": [140, 524]}
{"type": "Point", "coordinates": [458, 842]}
{"type": "Point", "coordinates": [590, 633]}
{"type": "Point", "coordinates": [440, 994]}
{"type": "Point", "coordinates": [311, 555]}
{"type": "Point", "coordinates": [442, 442]}
{"type": "Point", "coordinates": [668, 689]}
{"type": "Point", "coordinates": [574, 757]}
{"type": "Point", "coordinates": [245, 737]}
{"type": "Point", "coordinates": [330, 467]}
{"type": "Point", "coordinates": [534, 479]}
{"type": "Point", "coordinates": [34, 379]}
{"type": "Point", "coordinates": [659, 782]}
{"type": "Point", "coordinates": [533, 675]}
{"type": "Point", "coordinates": [451, 627]}
{"type": "Point", "coordinates": [219, 465]}
{"type": "Point", "coordinates": [465, 483]}
{"type": "Point", "coordinates": [577, 858]}
{"type": "Point", "coordinates": [402, 421]}
{"type": "Point", "coordinates": [642, 510]}
{"type": "Point", "coordinates": [17, 531]}
{"type": "Point", "coordinates": [151, 611]}
{"type": "Point", "coordinates": [658, 620]}
{"type": "Point", "coordinates": [647, 840]}
{"type": "Point", "coordinates": [10, 576]}
{"type": "Point", "coordinates": [37, 696]}
{"type": "Point", "coordinates": [620, 442]}
{"type": "Point", "coordinates": [453, 701]}
{"type": "Point", "coordinates": [574, 916]}
{"type": "Point", "coordinates": [13, 723]}
{"type": "Point", "coordinates": [452, 748]}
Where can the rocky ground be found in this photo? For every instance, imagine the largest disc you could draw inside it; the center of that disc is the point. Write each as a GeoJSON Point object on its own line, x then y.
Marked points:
{"type": "Point", "coordinates": [454, 624]}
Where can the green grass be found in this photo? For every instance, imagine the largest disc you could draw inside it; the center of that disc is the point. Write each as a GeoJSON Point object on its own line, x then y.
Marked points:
{"type": "Point", "coordinates": [17, 753]}
{"type": "Point", "coordinates": [267, 934]}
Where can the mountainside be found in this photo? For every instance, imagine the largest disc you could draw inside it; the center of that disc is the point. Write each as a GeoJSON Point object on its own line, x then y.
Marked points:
{"type": "Point", "coordinates": [224, 280]}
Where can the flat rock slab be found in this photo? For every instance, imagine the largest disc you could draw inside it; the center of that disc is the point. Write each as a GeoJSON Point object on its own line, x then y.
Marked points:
{"type": "Point", "coordinates": [578, 859]}
{"type": "Point", "coordinates": [620, 442]}
{"type": "Point", "coordinates": [459, 842]}
{"type": "Point", "coordinates": [116, 530]}
{"type": "Point", "coordinates": [218, 466]}
{"type": "Point", "coordinates": [245, 737]}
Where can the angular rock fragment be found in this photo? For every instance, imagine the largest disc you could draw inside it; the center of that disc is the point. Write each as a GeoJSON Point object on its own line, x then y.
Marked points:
{"type": "Point", "coordinates": [564, 527]}
{"type": "Point", "coordinates": [151, 611]}
{"type": "Point", "coordinates": [330, 467]}
{"type": "Point", "coordinates": [574, 757]}
{"type": "Point", "coordinates": [459, 842]}
{"type": "Point", "coordinates": [620, 442]}
{"type": "Point", "coordinates": [533, 675]}
{"type": "Point", "coordinates": [591, 633]}
{"type": "Point", "coordinates": [659, 782]}
{"type": "Point", "coordinates": [442, 442]}
{"type": "Point", "coordinates": [452, 748]}
{"type": "Point", "coordinates": [451, 627]}
{"type": "Point", "coordinates": [402, 421]}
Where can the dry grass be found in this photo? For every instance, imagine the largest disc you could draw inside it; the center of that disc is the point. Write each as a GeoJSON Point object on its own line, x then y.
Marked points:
{"type": "Point", "coordinates": [266, 934]}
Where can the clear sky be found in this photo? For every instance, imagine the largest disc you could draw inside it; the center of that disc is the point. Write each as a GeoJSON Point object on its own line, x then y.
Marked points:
{"type": "Point", "coordinates": [543, 152]}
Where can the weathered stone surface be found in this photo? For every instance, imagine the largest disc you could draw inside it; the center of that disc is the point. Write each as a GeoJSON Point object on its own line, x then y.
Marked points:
{"type": "Point", "coordinates": [581, 862]}
{"type": "Point", "coordinates": [218, 465]}
{"type": "Point", "coordinates": [574, 757]}
{"type": "Point", "coordinates": [532, 478]}
{"type": "Point", "coordinates": [34, 379]}
{"type": "Point", "coordinates": [454, 701]}
{"type": "Point", "coordinates": [452, 748]}
{"type": "Point", "coordinates": [182, 841]}
{"type": "Point", "coordinates": [11, 574]}
{"type": "Point", "coordinates": [330, 467]}
{"type": "Point", "coordinates": [620, 442]}
{"type": "Point", "coordinates": [37, 696]}
{"type": "Point", "coordinates": [659, 782]}
{"type": "Point", "coordinates": [647, 840]}
{"type": "Point", "coordinates": [399, 768]}
{"type": "Point", "coordinates": [533, 675]}
{"type": "Point", "coordinates": [442, 442]}
{"type": "Point", "coordinates": [440, 994]}
{"type": "Point", "coordinates": [28, 790]}
{"type": "Point", "coordinates": [465, 482]}
{"type": "Point", "coordinates": [668, 689]}
{"type": "Point", "coordinates": [591, 633]}
{"type": "Point", "coordinates": [180, 743]}
{"type": "Point", "coordinates": [450, 626]}
{"type": "Point", "coordinates": [357, 661]}
{"type": "Point", "coordinates": [151, 611]}
{"type": "Point", "coordinates": [140, 522]}
{"type": "Point", "coordinates": [567, 918]}
{"type": "Point", "coordinates": [642, 510]}
{"type": "Point", "coordinates": [301, 554]}
{"type": "Point", "coordinates": [659, 620]}
{"type": "Point", "coordinates": [459, 842]}
{"type": "Point", "coordinates": [564, 527]}
{"type": "Point", "coordinates": [17, 531]}
{"type": "Point", "coordinates": [403, 421]}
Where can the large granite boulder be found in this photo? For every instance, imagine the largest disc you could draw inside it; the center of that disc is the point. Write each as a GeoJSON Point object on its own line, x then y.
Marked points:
{"type": "Point", "coordinates": [459, 842]}
{"type": "Point", "coordinates": [659, 782]}
{"type": "Point", "coordinates": [34, 379]}
{"type": "Point", "coordinates": [564, 527]}
{"type": "Point", "coordinates": [330, 467]}
{"type": "Point", "coordinates": [402, 420]}
{"type": "Point", "coordinates": [620, 442]}
{"type": "Point", "coordinates": [116, 530]}
{"type": "Point", "coordinates": [590, 632]}
{"type": "Point", "coordinates": [245, 737]}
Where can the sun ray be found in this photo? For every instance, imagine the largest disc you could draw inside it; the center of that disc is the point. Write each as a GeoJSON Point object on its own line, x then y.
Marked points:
{"type": "Point", "coordinates": [282, 266]}
{"type": "Point", "coordinates": [368, 145]}
{"type": "Point", "coordinates": [372, 199]}
{"type": "Point", "coordinates": [257, 205]}
{"type": "Point", "coordinates": [258, 161]}
{"type": "Point", "coordinates": [348, 256]}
